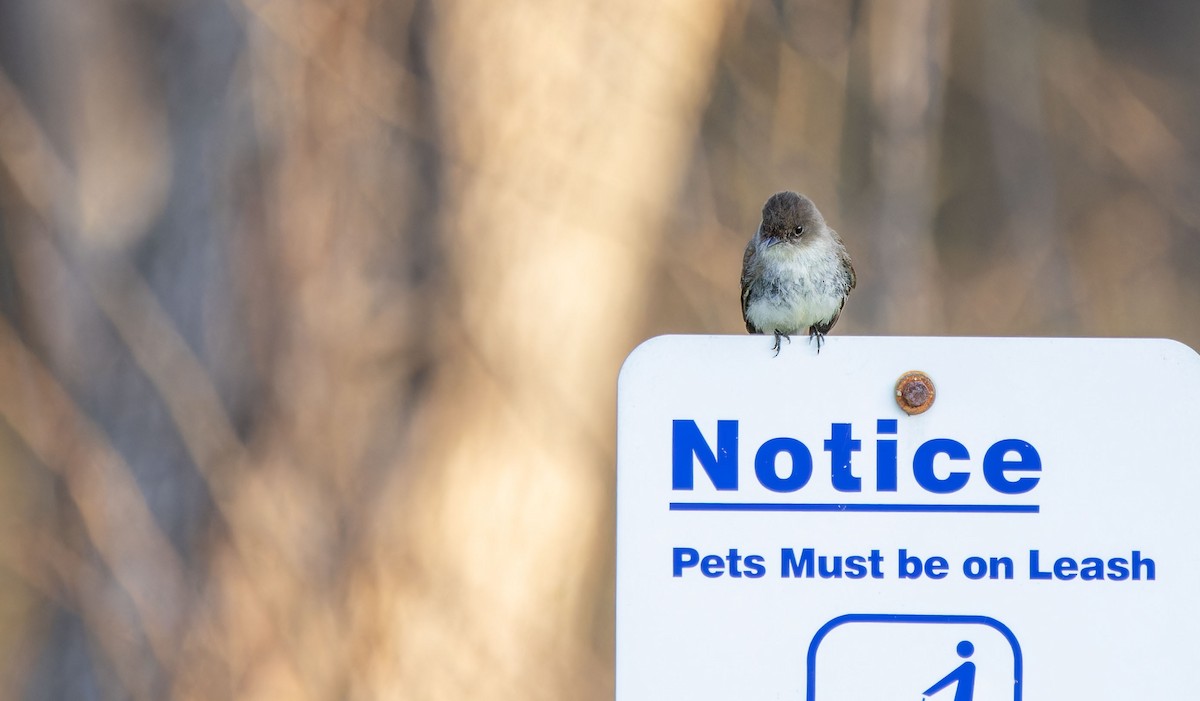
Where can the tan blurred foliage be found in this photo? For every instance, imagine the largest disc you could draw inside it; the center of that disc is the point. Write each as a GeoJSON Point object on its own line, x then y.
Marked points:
{"type": "Point", "coordinates": [312, 311]}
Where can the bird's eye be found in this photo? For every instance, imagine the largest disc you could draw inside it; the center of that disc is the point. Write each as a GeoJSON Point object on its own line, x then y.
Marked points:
{"type": "Point", "coordinates": [799, 230]}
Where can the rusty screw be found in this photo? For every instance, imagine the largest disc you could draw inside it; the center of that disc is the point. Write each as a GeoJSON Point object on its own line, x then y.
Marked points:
{"type": "Point", "coordinates": [914, 392]}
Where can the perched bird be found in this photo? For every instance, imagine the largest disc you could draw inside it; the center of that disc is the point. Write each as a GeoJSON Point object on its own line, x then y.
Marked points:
{"type": "Point", "coordinates": [795, 273]}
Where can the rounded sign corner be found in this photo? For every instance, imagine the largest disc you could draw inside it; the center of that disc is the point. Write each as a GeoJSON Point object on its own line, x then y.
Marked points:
{"type": "Point", "coordinates": [1185, 352]}
{"type": "Point", "coordinates": [646, 347]}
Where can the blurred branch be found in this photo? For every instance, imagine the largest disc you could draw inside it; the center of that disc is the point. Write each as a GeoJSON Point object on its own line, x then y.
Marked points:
{"type": "Point", "coordinates": [164, 356]}
{"type": "Point", "coordinates": [1122, 124]}
{"type": "Point", "coordinates": [72, 582]}
{"type": "Point", "coordinates": [118, 522]}
{"type": "Point", "coordinates": [379, 83]}
{"type": "Point", "coordinates": [25, 152]}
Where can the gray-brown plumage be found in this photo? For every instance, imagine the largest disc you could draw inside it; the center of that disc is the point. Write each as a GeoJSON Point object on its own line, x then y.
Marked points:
{"type": "Point", "coordinates": [796, 272]}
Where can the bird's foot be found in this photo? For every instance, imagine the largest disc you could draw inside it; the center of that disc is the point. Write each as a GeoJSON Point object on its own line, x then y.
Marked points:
{"type": "Point", "coordinates": [814, 333]}
{"type": "Point", "coordinates": [778, 336]}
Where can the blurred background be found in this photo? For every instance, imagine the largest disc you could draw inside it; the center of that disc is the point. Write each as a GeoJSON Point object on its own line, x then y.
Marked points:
{"type": "Point", "coordinates": [311, 312]}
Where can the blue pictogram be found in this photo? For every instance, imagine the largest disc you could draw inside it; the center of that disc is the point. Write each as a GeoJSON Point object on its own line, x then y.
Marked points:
{"type": "Point", "coordinates": [963, 676]}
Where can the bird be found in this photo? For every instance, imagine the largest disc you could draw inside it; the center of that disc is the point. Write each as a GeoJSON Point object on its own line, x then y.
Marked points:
{"type": "Point", "coordinates": [796, 272]}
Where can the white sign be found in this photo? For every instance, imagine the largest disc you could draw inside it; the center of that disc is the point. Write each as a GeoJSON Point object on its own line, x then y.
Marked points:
{"type": "Point", "coordinates": [785, 531]}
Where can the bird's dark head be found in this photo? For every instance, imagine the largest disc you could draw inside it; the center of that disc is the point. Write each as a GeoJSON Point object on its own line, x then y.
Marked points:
{"type": "Point", "coordinates": [788, 216]}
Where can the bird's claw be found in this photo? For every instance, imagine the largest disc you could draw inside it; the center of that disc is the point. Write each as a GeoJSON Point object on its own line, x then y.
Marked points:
{"type": "Point", "coordinates": [778, 336]}
{"type": "Point", "coordinates": [814, 333]}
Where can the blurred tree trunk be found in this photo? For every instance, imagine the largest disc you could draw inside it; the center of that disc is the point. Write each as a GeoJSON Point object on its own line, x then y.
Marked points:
{"type": "Point", "coordinates": [906, 54]}
{"type": "Point", "coordinates": [566, 128]}
{"type": "Point", "coordinates": [1031, 281]}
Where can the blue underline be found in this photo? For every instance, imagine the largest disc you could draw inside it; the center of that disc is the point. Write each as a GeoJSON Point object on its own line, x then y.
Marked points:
{"type": "Point", "coordinates": [858, 508]}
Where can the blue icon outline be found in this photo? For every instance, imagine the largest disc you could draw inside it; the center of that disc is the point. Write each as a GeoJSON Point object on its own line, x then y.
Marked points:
{"type": "Point", "coordinates": [1018, 667]}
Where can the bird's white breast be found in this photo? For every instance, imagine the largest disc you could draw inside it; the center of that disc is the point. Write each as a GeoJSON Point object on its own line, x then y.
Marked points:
{"type": "Point", "coordinates": [807, 278]}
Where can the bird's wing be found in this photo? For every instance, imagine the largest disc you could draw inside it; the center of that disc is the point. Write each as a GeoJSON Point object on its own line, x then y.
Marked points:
{"type": "Point", "coordinates": [824, 327]}
{"type": "Point", "coordinates": [747, 261]}
{"type": "Point", "coordinates": [852, 279]}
